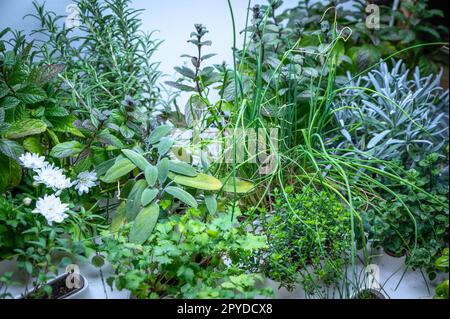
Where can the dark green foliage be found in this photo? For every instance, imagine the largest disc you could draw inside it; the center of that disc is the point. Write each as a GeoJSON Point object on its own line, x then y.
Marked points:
{"type": "Point", "coordinates": [393, 228]}
{"type": "Point", "coordinates": [33, 113]}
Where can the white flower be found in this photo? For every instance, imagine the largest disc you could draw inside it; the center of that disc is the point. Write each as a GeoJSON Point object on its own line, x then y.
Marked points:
{"type": "Point", "coordinates": [51, 208]}
{"type": "Point", "coordinates": [85, 180]}
{"type": "Point", "coordinates": [33, 161]}
{"type": "Point", "coordinates": [52, 177]}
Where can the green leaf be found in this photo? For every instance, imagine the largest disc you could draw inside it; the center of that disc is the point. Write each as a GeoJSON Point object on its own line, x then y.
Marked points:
{"type": "Point", "coordinates": [11, 149]}
{"type": "Point", "coordinates": [103, 167]}
{"type": "Point", "coordinates": [134, 199]}
{"type": "Point", "coordinates": [185, 71]}
{"type": "Point", "coordinates": [163, 169]}
{"type": "Point", "coordinates": [119, 169]}
{"type": "Point", "coordinates": [98, 261]}
{"type": "Point", "coordinates": [159, 133]}
{"type": "Point", "coordinates": [165, 145]}
{"type": "Point", "coordinates": [144, 224]}
{"type": "Point", "coordinates": [119, 218]}
{"type": "Point", "coordinates": [4, 90]}
{"type": "Point", "coordinates": [10, 173]}
{"type": "Point", "coordinates": [57, 111]}
{"type": "Point", "coordinates": [211, 204]}
{"type": "Point", "coordinates": [208, 56]}
{"type": "Point", "coordinates": [106, 137]}
{"type": "Point", "coordinates": [148, 196]}
{"type": "Point", "coordinates": [180, 86]}
{"type": "Point", "coordinates": [377, 138]}
{"type": "Point", "coordinates": [137, 159]}
{"type": "Point", "coordinates": [33, 144]}
{"type": "Point", "coordinates": [126, 131]}
{"type": "Point", "coordinates": [66, 149]}
{"type": "Point", "coordinates": [31, 94]}
{"type": "Point", "coordinates": [151, 175]}
{"type": "Point", "coordinates": [182, 168]}
{"type": "Point", "coordinates": [182, 195]}
{"type": "Point", "coordinates": [201, 181]}
{"type": "Point", "coordinates": [24, 128]}
{"type": "Point", "coordinates": [66, 124]}
{"type": "Point", "coordinates": [9, 102]}
{"type": "Point", "coordinates": [242, 186]}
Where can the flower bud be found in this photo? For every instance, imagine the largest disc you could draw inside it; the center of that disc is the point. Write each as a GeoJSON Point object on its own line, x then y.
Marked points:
{"type": "Point", "coordinates": [27, 201]}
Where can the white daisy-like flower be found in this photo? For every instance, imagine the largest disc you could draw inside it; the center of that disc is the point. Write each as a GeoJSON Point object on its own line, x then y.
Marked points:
{"type": "Point", "coordinates": [52, 177]}
{"type": "Point", "coordinates": [51, 208]}
{"type": "Point", "coordinates": [33, 161]}
{"type": "Point", "coordinates": [85, 181]}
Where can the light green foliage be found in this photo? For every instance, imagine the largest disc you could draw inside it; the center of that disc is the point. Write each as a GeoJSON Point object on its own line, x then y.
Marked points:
{"type": "Point", "coordinates": [188, 256]}
{"type": "Point", "coordinates": [441, 264]}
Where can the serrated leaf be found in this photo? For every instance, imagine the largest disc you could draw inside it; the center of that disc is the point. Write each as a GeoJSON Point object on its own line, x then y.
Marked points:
{"type": "Point", "coordinates": [201, 181]}
{"type": "Point", "coordinates": [182, 168]}
{"type": "Point", "coordinates": [31, 95]}
{"type": "Point", "coordinates": [148, 196]}
{"type": "Point", "coordinates": [119, 169]}
{"type": "Point", "coordinates": [137, 159]}
{"type": "Point", "coordinates": [182, 195]}
{"type": "Point", "coordinates": [151, 175]}
{"type": "Point", "coordinates": [56, 111]}
{"type": "Point", "coordinates": [9, 102]}
{"type": "Point", "coordinates": [158, 133]}
{"type": "Point", "coordinates": [24, 128]}
{"type": "Point", "coordinates": [144, 224]}
{"type": "Point", "coordinates": [65, 124]}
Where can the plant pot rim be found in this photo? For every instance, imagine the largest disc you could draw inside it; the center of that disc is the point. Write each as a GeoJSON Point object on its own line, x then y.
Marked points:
{"type": "Point", "coordinates": [392, 254]}
{"type": "Point", "coordinates": [372, 291]}
{"type": "Point", "coordinates": [69, 295]}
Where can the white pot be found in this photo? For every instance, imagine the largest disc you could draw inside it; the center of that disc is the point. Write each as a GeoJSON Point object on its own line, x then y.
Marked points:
{"type": "Point", "coordinates": [77, 294]}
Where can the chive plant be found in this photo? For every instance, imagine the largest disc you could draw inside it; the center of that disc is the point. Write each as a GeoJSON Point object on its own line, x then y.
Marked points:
{"type": "Point", "coordinates": [293, 91]}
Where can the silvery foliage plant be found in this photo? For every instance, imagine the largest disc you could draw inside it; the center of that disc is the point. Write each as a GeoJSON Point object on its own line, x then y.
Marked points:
{"type": "Point", "coordinates": [392, 113]}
